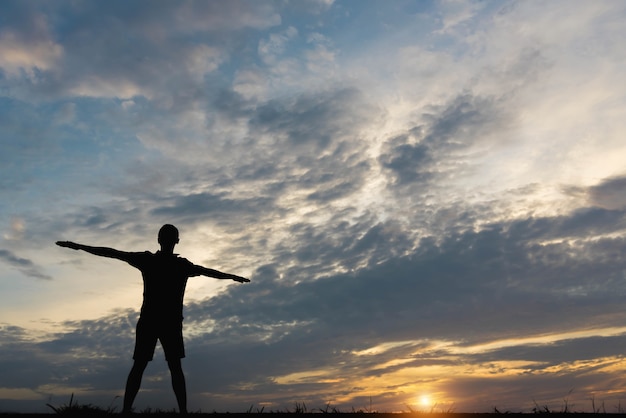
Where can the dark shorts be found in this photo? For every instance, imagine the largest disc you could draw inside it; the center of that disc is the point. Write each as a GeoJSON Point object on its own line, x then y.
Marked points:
{"type": "Point", "coordinates": [170, 335]}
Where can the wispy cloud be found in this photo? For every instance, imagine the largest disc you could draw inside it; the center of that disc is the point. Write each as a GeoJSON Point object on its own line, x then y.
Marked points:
{"type": "Point", "coordinates": [24, 265]}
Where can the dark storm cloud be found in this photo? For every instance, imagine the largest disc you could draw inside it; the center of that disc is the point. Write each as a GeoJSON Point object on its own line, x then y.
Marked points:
{"type": "Point", "coordinates": [483, 273]}
{"type": "Point", "coordinates": [475, 287]}
{"type": "Point", "coordinates": [321, 250]}
{"type": "Point", "coordinates": [580, 224]}
{"type": "Point", "coordinates": [317, 135]}
{"type": "Point", "coordinates": [312, 119]}
{"type": "Point", "coordinates": [22, 362]}
{"type": "Point", "coordinates": [480, 283]}
{"type": "Point", "coordinates": [301, 128]}
{"type": "Point", "coordinates": [509, 280]}
{"type": "Point", "coordinates": [609, 194]}
{"type": "Point", "coordinates": [92, 350]}
{"type": "Point", "coordinates": [23, 265]}
{"type": "Point", "coordinates": [216, 206]}
{"type": "Point", "coordinates": [434, 148]}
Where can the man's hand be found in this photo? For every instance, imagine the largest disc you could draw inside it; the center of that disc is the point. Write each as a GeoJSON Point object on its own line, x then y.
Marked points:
{"type": "Point", "coordinates": [240, 279]}
{"type": "Point", "coordinates": [68, 244]}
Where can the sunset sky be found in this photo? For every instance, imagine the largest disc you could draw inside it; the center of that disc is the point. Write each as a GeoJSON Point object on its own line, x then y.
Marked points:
{"type": "Point", "coordinates": [428, 196]}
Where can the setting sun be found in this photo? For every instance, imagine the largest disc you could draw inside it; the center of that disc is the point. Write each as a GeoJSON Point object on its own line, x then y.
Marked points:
{"type": "Point", "coordinates": [425, 401]}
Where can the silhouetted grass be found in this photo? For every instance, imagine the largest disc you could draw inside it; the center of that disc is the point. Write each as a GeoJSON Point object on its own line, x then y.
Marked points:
{"type": "Point", "coordinates": [72, 408]}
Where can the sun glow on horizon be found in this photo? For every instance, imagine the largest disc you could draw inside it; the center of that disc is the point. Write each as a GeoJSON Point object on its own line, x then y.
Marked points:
{"type": "Point", "coordinates": [425, 401]}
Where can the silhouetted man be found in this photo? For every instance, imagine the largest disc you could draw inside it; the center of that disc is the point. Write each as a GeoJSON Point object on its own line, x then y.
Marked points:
{"type": "Point", "coordinates": [165, 276]}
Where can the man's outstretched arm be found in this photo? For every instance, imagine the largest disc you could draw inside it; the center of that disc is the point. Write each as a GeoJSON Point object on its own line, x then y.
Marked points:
{"type": "Point", "coordinates": [203, 271]}
{"type": "Point", "coordinates": [100, 251]}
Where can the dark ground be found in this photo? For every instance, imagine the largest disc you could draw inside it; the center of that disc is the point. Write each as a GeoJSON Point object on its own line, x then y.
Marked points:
{"type": "Point", "coordinates": [326, 415]}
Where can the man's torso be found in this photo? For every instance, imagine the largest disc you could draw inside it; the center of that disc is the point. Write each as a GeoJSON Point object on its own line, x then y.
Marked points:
{"type": "Point", "coordinates": [164, 281]}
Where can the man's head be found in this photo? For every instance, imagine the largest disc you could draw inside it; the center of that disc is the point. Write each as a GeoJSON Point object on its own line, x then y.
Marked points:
{"type": "Point", "coordinates": [168, 235]}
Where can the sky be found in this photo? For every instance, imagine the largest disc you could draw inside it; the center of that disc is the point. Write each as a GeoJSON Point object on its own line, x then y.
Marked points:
{"type": "Point", "coordinates": [429, 198]}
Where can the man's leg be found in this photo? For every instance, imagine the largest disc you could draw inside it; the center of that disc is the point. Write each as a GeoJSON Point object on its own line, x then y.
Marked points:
{"type": "Point", "coordinates": [178, 383]}
{"type": "Point", "coordinates": [133, 383]}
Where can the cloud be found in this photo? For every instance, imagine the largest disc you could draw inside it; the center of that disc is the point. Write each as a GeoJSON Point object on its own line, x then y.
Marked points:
{"type": "Point", "coordinates": [18, 55]}
{"type": "Point", "coordinates": [499, 278]}
{"type": "Point", "coordinates": [332, 113]}
{"type": "Point", "coordinates": [474, 264]}
{"type": "Point", "coordinates": [609, 194]}
{"type": "Point", "coordinates": [439, 148]}
{"type": "Point", "coordinates": [455, 13]}
{"type": "Point", "coordinates": [89, 360]}
{"type": "Point", "coordinates": [140, 66]}
{"type": "Point", "coordinates": [27, 47]}
{"type": "Point", "coordinates": [25, 266]}
{"type": "Point", "coordinates": [217, 207]}
{"type": "Point", "coordinates": [275, 45]}
{"type": "Point", "coordinates": [538, 297]}
{"type": "Point", "coordinates": [278, 151]}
